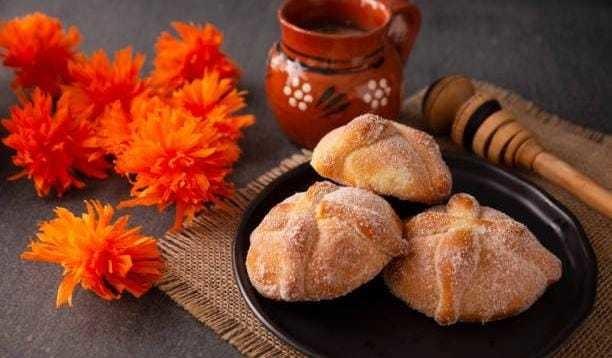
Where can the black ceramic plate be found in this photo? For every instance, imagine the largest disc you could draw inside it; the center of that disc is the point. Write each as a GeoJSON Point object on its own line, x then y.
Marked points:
{"type": "Point", "coordinates": [370, 322]}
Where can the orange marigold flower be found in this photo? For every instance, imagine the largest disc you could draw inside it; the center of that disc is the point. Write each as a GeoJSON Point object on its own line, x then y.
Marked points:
{"type": "Point", "coordinates": [114, 128]}
{"type": "Point", "coordinates": [177, 158]}
{"type": "Point", "coordinates": [104, 257]}
{"type": "Point", "coordinates": [39, 50]}
{"type": "Point", "coordinates": [116, 125]}
{"type": "Point", "coordinates": [52, 147]}
{"type": "Point", "coordinates": [184, 59]}
{"type": "Point", "coordinates": [98, 82]}
{"type": "Point", "coordinates": [215, 99]}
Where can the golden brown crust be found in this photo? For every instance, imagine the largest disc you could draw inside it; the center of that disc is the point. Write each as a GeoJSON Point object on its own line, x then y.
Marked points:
{"type": "Point", "coordinates": [386, 157]}
{"type": "Point", "coordinates": [470, 263]}
{"type": "Point", "coordinates": [323, 243]}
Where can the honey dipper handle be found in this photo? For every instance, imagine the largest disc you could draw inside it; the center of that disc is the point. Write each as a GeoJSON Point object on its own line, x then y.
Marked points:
{"type": "Point", "coordinates": [575, 182]}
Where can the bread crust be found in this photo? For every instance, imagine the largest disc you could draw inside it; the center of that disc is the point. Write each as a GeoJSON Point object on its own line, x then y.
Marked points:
{"type": "Point", "coordinates": [323, 243]}
{"type": "Point", "coordinates": [386, 157]}
{"type": "Point", "coordinates": [470, 263]}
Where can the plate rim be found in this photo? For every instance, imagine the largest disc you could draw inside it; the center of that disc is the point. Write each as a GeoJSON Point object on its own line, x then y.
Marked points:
{"type": "Point", "coordinates": [585, 308]}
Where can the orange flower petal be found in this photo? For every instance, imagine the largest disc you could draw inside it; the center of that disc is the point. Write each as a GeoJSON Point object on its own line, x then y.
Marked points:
{"type": "Point", "coordinates": [177, 158]}
{"type": "Point", "coordinates": [52, 148]}
{"type": "Point", "coordinates": [105, 257]}
{"type": "Point", "coordinates": [116, 125]}
{"type": "Point", "coordinates": [39, 50]}
{"type": "Point", "coordinates": [215, 100]}
{"type": "Point", "coordinates": [65, 289]}
{"type": "Point", "coordinates": [188, 57]}
{"type": "Point", "coordinates": [98, 82]}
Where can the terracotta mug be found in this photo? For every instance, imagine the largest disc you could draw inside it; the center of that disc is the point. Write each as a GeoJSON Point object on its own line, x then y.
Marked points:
{"type": "Point", "coordinates": [337, 59]}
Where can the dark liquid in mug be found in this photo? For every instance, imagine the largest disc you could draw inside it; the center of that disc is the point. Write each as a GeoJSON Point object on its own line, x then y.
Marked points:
{"type": "Point", "coordinates": [332, 27]}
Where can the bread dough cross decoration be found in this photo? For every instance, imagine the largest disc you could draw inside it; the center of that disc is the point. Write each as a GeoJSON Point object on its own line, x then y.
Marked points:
{"type": "Point", "coordinates": [478, 122]}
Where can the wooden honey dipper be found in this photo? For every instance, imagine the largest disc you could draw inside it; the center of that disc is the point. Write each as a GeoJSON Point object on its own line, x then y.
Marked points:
{"type": "Point", "coordinates": [479, 123]}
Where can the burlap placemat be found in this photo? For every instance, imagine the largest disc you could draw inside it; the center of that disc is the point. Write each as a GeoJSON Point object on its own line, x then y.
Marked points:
{"type": "Point", "coordinates": [199, 270]}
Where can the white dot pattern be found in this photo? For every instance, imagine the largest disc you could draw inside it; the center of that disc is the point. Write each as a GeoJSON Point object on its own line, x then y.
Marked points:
{"type": "Point", "coordinates": [298, 93]}
{"type": "Point", "coordinates": [377, 93]}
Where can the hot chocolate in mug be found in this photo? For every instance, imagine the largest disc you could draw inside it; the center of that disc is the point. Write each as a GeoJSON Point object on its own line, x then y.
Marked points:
{"type": "Point", "coordinates": [337, 59]}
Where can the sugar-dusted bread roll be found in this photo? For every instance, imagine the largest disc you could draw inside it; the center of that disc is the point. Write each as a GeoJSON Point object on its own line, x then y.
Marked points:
{"type": "Point", "coordinates": [386, 157]}
{"type": "Point", "coordinates": [323, 243]}
{"type": "Point", "coordinates": [470, 263]}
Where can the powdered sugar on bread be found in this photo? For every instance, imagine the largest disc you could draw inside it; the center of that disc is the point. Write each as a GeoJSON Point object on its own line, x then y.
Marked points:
{"type": "Point", "coordinates": [323, 243]}
{"type": "Point", "coordinates": [386, 157]}
{"type": "Point", "coordinates": [470, 263]}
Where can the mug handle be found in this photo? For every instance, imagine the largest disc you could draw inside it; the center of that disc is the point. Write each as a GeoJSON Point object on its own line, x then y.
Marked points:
{"type": "Point", "coordinates": [404, 26]}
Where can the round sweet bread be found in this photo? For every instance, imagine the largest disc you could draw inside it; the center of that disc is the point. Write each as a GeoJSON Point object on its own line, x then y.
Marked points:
{"type": "Point", "coordinates": [323, 243]}
{"type": "Point", "coordinates": [470, 263]}
{"type": "Point", "coordinates": [386, 157]}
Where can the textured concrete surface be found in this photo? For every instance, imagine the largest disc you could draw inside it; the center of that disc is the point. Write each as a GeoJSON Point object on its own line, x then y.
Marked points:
{"type": "Point", "coordinates": [557, 53]}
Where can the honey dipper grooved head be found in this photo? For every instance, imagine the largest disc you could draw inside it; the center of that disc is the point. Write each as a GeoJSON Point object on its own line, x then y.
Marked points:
{"type": "Point", "coordinates": [500, 140]}
{"type": "Point", "coordinates": [442, 100]}
{"type": "Point", "coordinates": [470, 116]}
{"type": "Point", "coordinates": [487, 129]}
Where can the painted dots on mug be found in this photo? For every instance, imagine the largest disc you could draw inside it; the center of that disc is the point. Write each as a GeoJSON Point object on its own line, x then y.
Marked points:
{"type": "Point", "coordinates": [377, 93]}
{"type": "Point", "coordinates": [385, 86]}
{"type": "Point", "coordinates": [298, 93]}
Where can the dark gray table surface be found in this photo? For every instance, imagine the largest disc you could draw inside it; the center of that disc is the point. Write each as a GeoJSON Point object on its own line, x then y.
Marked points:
{"type": "Point", "coordinates": [557, 53]}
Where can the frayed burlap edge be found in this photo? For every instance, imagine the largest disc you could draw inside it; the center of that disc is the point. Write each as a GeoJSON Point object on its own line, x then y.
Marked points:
{"type": "Point", "coordinates": [200, 278]}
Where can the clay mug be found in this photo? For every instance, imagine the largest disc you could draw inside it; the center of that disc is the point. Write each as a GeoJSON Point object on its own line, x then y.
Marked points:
{"type": "Point", "coordinates": [337, 59]}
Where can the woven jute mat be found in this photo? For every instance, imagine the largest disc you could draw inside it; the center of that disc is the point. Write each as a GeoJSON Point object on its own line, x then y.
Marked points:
{"type": "Point", "coordinates": [199, 273]}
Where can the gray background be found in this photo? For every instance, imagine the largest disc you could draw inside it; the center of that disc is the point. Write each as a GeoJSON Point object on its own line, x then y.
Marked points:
{"type": "Point", "coordinates": [557, 53]}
